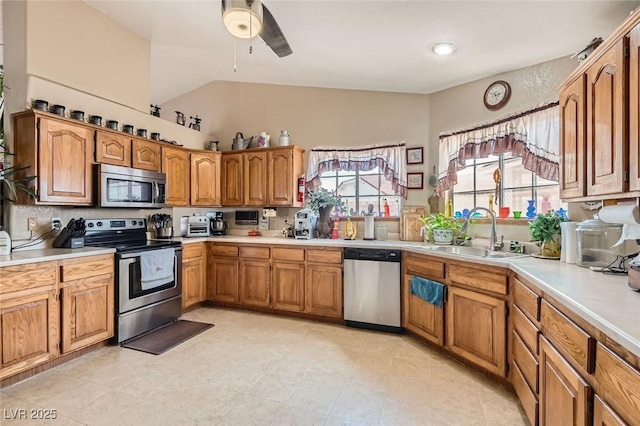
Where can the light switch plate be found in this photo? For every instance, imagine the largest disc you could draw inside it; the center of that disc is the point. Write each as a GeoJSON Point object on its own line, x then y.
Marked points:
{"type": "Point", "coordinates": [268, 212]}
{"type": "Point", "coordinates": [264, 223]}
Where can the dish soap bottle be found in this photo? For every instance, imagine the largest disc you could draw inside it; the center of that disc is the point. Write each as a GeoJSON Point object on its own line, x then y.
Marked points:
{"type": "Point", "coordinates": [5, 242]}
{"type": "Point", "coordinates": [387, 209]}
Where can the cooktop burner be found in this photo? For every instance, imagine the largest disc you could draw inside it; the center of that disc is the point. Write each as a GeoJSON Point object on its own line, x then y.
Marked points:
{"type": "Point", "coordinates": [124, 235]}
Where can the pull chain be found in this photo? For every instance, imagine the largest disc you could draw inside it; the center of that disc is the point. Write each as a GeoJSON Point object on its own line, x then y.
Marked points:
{"type": "Point", "coordinates": [250, 34]}
{"type": "Point", "coordinates": [235, 54]}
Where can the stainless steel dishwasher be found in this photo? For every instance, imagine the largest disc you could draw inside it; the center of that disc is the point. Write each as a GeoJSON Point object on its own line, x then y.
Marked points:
{"type": "Point", "coordinates": [372, 289]}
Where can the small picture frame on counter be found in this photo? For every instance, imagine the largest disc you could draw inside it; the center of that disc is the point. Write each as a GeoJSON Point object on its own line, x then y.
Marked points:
{"type": "Point", "coordinates": [415, 155]}
{"type": "Point", "coordinates": [415, 180]}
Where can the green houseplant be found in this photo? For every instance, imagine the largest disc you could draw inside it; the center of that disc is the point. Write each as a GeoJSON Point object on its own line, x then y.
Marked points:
{"type": "Point", "coordinates": [322, 201]}
{"type": "Point", "coordinates": [545, 228]}
{"type": "Point", "coordinates": [439, 228]}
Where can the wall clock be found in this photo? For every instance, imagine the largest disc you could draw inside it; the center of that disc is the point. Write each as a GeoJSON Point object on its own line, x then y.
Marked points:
{"type": "Point", "coordinates": [497, 95]}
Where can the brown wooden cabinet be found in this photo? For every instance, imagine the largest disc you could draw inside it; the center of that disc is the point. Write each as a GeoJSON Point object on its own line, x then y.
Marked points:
{"type": "Point", "coordinates": [193, 274]}
{"type": "Point", "coordinates": [177, 167]}
{"type": "Point", "coordinates": [634, 109]}
{"type": "Point", "coordinates": [60, 153]}
{"type": "Point", "coordinates": [284, 167]}
{"type": "Point", "coordinates": [113, 148]}
{"type": "Point", "coordinates": [288, 286]}
{"type": "Point", "coordinates": [573, 140]}
{"type": "Point", "coordinates": [145, 155]}
{"type": "Point", "coordinates": [324, 290]}
{"type": "Point", "coordinates": [205, 179]}
{"type": "Point", "coordinates": [476, 328]}
{"type": "Point", "coordinates": [223, 283]}
{"type": "Point", "coordinates": [255, 283]}
{"type": "Point", "coordinates": [564, 395]}
{"type": "Point", "coordinates": [255, 179]}
{"type": "Point", "coordinates": [607, 151]}
{"type": "Point", "coordinates": [232, 179]}
{"type": "Point", "coordinates": [87, 292]}
{"type": "Point", "coordinates": [603, 415]}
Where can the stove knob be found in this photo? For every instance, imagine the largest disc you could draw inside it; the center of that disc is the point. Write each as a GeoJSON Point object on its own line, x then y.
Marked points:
{"type": "Point", "coordinates": [98, 223]}
{"type": "Point", "coordinates": [90, 224]}
{"type": "Point", "coordinates": [133, 222]}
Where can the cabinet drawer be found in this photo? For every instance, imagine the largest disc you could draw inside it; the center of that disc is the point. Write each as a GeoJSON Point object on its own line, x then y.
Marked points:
{"type": "Point", "coordinates": [527, 363]}
{"type": "Point", "coordinates": [191, 251]}
{"type": "Point", "coordinates": [287, 254]}
{"type": "Point", "coordinates": [619, 384]}
{"type": "Point", "coordinates": [527, 331]}
{"type": "Point", "coordinates": [424, 267]}
{"type": "Point", "coordinates": [255, 252]}
{"type": "Point", "coordinates": [527, 398]}
{"type": "Point", "coordinates": [85, 267]}
{"type": "Point", "coordinates": [567, 336]}
{"type": "Point", "coordinates": [526, 300]}
{"type": "Point", "coordinates": [478, 278]}
{"type": "Point", "coordinates": [24, 277]}
{"type": "Point", "coordinates": [223, 251]}
{"type": "Point", "coordinates": [324, 256]}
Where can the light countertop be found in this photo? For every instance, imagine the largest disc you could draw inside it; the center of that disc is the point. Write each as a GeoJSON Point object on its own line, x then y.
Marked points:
{"type": "Point", "coordinates": [606, 301]}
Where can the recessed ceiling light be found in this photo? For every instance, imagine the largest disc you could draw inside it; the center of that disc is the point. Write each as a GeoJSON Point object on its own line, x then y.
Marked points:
{"type": "Point", "coordinates": [444, 48]}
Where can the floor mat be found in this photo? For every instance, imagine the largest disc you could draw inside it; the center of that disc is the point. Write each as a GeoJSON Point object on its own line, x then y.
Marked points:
{"type": "Point", "coordinates": [167, 337]}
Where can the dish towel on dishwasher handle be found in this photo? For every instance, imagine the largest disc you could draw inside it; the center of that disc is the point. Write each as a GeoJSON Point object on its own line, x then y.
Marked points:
{"type": "Point", "coordinates": [429, 291]}
{"type": "Point", "coordinates": [156, 268]}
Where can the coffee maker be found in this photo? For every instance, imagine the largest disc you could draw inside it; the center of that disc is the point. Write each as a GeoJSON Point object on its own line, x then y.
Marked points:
{"type": "Point", "coordinates": [305, 224]}
{"type": "Point", "coordinates": [217, 225]}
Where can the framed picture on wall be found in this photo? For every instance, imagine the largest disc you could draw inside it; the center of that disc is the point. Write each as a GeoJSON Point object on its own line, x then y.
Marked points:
{"type": "Point", "coordinates": [415, 155]}
{"type": "Point", "coordinates": [415, 180]}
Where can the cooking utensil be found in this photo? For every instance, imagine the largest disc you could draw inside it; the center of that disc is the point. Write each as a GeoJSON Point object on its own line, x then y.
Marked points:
{"type": "Point", "coordinates": [155, 136]}
{"type": "Point", "coordinates": [142, 133]}
{"type": "Point", "coordinates": [112, 124]}
{"type": "Point", "coordinates": [77, 115]}
{"type": "Point", "coordinates": [58, 110]}
{"type": "Point", "coordinates": [127, 128]}
{"type": "Point", "coordinates": [40, 104]}
{"type": "Point", "coordinates": [95, 119]}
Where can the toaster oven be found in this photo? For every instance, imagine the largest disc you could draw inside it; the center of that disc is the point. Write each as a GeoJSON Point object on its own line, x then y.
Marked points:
{"type": "Point", "coordinates": [198, 226]}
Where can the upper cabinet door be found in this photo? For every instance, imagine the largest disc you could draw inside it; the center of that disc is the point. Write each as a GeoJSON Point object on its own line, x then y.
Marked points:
{"type": "Point", "coordinates": [176, 165]}
{"type": "Point", "coordinates": [205, 179]}
{"type": "Point", "coordinates": [572, 140]}
{"type": "Point", "coordinates": [145, 155]}
{"type": "Point", "coordinates": [255, 179]}
{"type": "Point", "coordinates": [64, 172]}
{"type": "Point", "coordinates": [607, 161]}
{"type": "Point", "coordinates": [280, 181]}
{"type": "Point", "coordinates": [112, 148]}
{"type": "Point", "coordinates": [634, 109]}
{"type": "Point", "coordinates": [232, 180]}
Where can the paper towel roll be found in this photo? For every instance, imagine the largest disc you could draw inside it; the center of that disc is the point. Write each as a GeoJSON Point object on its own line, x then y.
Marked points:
{"type": "Point", "coordinates": [629, 232]}
{"type": "Point", "coordinates": [569, 250]}
{"type": "Point", "coordinates": [620, 213]}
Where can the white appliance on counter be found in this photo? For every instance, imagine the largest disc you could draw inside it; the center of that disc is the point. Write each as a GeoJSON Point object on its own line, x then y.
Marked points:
{"type": "Point", "coordinates": [197, 226]}
{"type": "Point", "coordinates": [305, 224]}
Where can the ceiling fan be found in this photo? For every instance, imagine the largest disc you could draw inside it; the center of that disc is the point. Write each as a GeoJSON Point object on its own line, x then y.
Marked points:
{"type": "Point", "coordinates": [249, 18]}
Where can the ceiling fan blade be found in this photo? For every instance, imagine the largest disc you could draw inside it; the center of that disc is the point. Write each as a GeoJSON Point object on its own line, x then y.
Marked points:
{"type": "Point", "coordinates": [272, 34]}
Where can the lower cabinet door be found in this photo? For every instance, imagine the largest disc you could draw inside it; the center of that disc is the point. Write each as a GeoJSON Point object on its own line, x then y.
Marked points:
{"type": "Point", "coordinates": [603, 415]}
{"type": "Point", "coordinates": [324, 290]}
{"type": "Point", "coordinates": [87, 312]}
{"type": "Point", "coordinates": [422, 317]}
{"type": "Point", "coordinates": [288, 286]}
{"type": "Point", "coordinates": [564, 395]}
{"type": "Point", "coordinates": [254, 282]}
{"type": "Point", "coordinates": [29, 333]}
{"type": "Point", "coordinates": [223, 284]}
{"type": "Point", "coordinates": [192, 281]}
{"type": "Point", "coordinates": [527, 398]}
{"type": "Point", "coordinates": [476, 328]}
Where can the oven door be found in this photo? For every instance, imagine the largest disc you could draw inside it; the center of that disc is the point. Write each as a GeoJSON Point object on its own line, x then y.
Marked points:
{"type": "Point", "coordinates": [130, 293]}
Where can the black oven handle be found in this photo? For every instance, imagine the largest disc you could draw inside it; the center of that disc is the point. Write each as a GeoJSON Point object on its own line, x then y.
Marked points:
{"type": "Point", "coordinates": [126, 260]}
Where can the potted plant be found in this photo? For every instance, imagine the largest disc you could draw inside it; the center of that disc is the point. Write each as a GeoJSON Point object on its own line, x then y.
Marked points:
{"type": "Point", "coordinates": [546, 229]}
{"type": "Point", "coordinates": [322, 201]}
{"type": "Point", "coordinates": [439, 228]}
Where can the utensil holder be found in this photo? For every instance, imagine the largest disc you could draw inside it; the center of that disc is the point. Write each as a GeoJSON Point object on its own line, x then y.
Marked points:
{"type": "Point", "coordinates": [65, 240]}
{"type": "Point", "coordinates": [164, 233]}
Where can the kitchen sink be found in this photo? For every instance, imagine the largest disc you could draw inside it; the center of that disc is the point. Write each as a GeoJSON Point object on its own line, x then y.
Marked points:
{"type": "Point", "coordinates": [474, 252]}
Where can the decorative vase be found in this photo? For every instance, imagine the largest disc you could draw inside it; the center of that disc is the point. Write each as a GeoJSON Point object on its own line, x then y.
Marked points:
{"type": "Point", "coordinates": [551, 248]}
{"type": "Point", "coordinates": [443, 236]}
{"type": "Point", "coordinates": [531, 210]}
{"type": "Point", "coordinates": [324, 225]}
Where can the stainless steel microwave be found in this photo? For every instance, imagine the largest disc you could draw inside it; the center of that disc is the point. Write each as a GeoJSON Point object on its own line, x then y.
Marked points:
{"type": "Point", "coordinates": [126, 187]}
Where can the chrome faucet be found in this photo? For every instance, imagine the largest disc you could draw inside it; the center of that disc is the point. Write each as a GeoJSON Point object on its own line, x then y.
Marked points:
{"type": "Point", "coordinates": [493, 244]}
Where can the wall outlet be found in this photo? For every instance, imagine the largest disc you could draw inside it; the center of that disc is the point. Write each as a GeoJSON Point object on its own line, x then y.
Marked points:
{"type": "Point", "coordinates": [56, 224]}
{"type": "Point", "coordinates": [264, 223]}
{"type": "Point", "coordinates": [32, 224]}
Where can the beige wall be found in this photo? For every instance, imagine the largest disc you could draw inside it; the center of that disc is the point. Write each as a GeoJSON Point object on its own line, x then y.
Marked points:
{"type": "Point", "coordinates": [313, 116]}
{"type": "Point", "coordinates": [74, 45]}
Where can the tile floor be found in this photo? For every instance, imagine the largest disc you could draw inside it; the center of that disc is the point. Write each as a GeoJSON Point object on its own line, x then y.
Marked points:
{"type": "Point", "coordinates": [255, 369]}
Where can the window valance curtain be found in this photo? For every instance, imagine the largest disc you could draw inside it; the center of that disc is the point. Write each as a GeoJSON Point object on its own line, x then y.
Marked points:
{"type": "Point", "coordinates": [391, 159]}
{"type": "Point", "coordinates": [533, 135]}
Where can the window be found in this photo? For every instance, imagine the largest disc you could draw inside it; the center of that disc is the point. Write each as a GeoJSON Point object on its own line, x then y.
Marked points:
{"type": "Point", "coordinates": [358, 189]}
{"type": "Point", "coordinates": [476, 183]}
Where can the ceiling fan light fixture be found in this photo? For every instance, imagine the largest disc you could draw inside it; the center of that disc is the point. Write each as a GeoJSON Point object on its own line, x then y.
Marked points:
{"type": "Point", "coordinates": [243, 19]}
{"type": "Point", "coordinates": [444, 48]}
